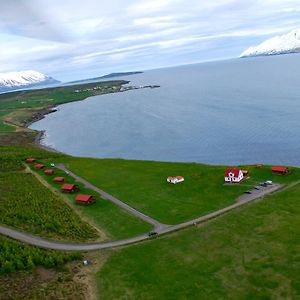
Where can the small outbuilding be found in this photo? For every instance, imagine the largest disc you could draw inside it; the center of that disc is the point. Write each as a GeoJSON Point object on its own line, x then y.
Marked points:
{"type": "Point", "coordinates": [280, 170]}
{"type": "Point", "coordinates": [233, 175]}
{"type": "Point", "coordinates": [49, 172]}
{"type": "Point", "coordinates": [175, 180]}
{"type": "Point", "coordinates": [30, 160]}
{"type": "Point", "coordinates": [58, 179]}
{"type": "Point", "coordinates": [39, 166]}
{"type": "Point", "coordinates": [85, 199]}
{"type": "Point", "coordinates": [70, 188]}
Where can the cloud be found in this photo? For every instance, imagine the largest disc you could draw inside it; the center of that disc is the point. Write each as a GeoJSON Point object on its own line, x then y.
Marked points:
{"type": "Point", "coordinates": [71, 38]}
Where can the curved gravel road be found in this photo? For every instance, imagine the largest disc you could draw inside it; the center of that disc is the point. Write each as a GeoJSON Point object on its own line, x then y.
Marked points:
{"type": "Point", "coordinates": [48, 244]}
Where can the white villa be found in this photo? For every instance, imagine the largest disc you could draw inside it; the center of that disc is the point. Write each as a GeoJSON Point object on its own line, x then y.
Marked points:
{"type": "Point", "coordinates": [233, 175]}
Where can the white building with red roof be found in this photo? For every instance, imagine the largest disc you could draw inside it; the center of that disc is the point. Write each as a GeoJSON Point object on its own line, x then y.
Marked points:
{"type": "Point", "coordinates": [175, 180]}
{"type": "Point", "coordinates": [233, 175]}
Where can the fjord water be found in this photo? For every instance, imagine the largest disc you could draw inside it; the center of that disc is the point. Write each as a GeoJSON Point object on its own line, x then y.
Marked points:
{"type": "Point", "coordinates": [228, 112]}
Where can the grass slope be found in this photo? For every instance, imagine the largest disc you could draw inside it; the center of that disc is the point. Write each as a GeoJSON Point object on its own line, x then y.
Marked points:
{"type": "Point", "coordinates": [142, 184]}
{"type": "Point", "coordinates": [251, 253]}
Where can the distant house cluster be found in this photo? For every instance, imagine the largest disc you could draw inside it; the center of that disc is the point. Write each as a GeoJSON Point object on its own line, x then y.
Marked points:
{"type": "Point", "coordinates": [66, 187]}
{"type": "Point", "coordinates": [236, 175]}
{"type": "Point", "coordinates": [96, 88]}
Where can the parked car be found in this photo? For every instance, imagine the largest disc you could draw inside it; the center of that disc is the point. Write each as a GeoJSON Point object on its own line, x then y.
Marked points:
{"type": "Point", "coordinates": [152, 233]}
{"type": "Point", "coordinates": [257, 187]}
{"type": "Point", "coordinates": [248, 192]}
{"type": "Point", "coordinates": [263, 184]}
{"type": "Point", "coordinates": [269, 182]}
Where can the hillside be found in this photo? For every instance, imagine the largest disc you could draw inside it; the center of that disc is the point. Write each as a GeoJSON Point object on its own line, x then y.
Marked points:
{"type": "Point", "coordinates": [283, 44]}
{"type": "Point", "coordinates": [24, 79]}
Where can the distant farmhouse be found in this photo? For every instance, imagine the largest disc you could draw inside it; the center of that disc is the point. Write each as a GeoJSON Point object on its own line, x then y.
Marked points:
{"type": "Point", "coordinates": [233, 175]}
{"type": "Point", "coordinates": [175, 180]}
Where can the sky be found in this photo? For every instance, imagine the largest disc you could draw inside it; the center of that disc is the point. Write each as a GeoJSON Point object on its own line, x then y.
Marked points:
{"type": "Point", "coordinates": [76, 39]}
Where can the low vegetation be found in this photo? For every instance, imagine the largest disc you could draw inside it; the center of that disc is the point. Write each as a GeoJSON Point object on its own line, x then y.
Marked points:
{"type": "Point", "coordinates": [20, 153]}
{"type": "Point", "coordinates": [26, 204]}
{"type": "Point", "coordinates": [15, 256]}
{"type": "Point", "coordinates": [28, 272]}
{"type": "Point", "coordinates": [250, 253]}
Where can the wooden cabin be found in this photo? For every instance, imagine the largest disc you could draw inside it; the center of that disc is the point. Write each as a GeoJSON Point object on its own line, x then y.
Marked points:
{"type": "Point", "coordinates": [70, 188]}
{"type": "Point", "coordinates": [58, 179]}
{"type": "Point", "coordinates": [49, 172]}
{"type": "Point", "coordinates": [30, 160]}
{"type": "Point", "coordinates": [39, 166]}
{"type": "Point", "coordinates": [280, 170]}
{"type": "Point", "coordinates": [85, 199]}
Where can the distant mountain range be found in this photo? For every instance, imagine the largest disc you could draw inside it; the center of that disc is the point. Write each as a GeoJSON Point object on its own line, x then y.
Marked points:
{"type": "Point", "coordinates": [24, 79]}
{"type": "Point", "coordinates": [282, 44]}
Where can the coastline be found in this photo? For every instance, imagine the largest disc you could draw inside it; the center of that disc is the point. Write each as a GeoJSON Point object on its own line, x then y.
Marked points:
{"type": "Point", "coordinates": [42, 113]}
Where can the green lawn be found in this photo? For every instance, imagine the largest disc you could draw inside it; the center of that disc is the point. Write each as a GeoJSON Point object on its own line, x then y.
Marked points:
{"type": "Point", "coordinates": [114, 221]}
{"type": "Point", "coordinates": [4, 127]}
{"type": "Point", "coordinates": [142, 184]}
{"type": "Point", "coordinates": [251, 253]}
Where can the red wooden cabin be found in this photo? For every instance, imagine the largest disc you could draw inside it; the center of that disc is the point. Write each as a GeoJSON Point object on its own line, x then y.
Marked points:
{"type": "Point", "coordinates": [49, 172]}
{"type": "Point", "coordinates": [280, 170]}
{"type": "Point", "coordinates": [58, 179]}
{"type": "Point", "coordinates": [39, 166]}
{"type": "Point", "coordinates": [86, 199]}
{"type": "Point", "coordinates": [70, 188]}
{"type": "Point", "coordinates": [30, 160]}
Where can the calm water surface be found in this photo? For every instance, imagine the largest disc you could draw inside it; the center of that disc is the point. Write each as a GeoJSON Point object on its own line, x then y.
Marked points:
{"type": "Point", "coordinates": [230, 112]}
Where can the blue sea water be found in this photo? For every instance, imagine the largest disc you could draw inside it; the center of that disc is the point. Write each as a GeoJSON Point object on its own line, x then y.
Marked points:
{"type": "Point", "coordinates": [228, 112]}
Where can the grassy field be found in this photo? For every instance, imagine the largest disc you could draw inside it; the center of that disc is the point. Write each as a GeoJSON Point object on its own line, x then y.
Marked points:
{"type": "Point", "coordinates": [3, 126]}
{"type": "Point", "coordinates": [114, 221]}
{"type": "Point", "coordinates": [250, 253]}
{"type": "Point", "coordinates": [142, 184]}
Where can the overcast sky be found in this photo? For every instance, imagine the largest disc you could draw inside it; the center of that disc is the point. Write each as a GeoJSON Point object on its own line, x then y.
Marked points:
{"type": "Point", "coordinates": [73, 39]}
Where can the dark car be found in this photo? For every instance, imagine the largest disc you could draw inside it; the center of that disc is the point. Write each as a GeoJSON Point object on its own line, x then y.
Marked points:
{"type": "Point", "coordinates": [152, 233]}
{"type": "Point", "coordinates": [257, 187]}
{"type": "Point", "coordinates": [263, 184]}
{"type": "Point", "coordinates": [248, 192]}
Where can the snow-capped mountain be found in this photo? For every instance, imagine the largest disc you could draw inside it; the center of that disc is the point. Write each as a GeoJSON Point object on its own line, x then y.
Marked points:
{"type": "Point", "coordinates": [24, 79]}
{"type": "Point", "coordinates": [282, 44]}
